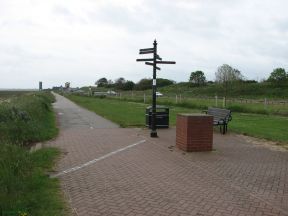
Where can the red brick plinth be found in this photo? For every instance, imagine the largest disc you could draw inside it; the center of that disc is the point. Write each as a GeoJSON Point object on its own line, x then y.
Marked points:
{"type": "Point", "coordinates": [194, 132]}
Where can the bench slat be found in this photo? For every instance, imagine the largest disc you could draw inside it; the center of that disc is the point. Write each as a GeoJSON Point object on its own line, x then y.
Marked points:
{"type": "Point", "coordinates": [220, 117]}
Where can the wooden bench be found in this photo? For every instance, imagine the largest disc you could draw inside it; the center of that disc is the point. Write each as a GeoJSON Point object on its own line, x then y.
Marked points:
{"type": "Point", "coordinates": [221, 117]}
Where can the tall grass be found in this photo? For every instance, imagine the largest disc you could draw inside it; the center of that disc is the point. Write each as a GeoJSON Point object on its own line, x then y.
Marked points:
{"type": "Point", "coordinates": [27, 118]}
{"type": "Point", "coordinates": [24, 186]}
{"type": "Point", "coordinates": [25, 189]}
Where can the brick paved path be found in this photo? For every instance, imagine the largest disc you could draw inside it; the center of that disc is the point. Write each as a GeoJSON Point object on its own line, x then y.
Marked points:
{"type": "Point", "coordinates": [155, 178]}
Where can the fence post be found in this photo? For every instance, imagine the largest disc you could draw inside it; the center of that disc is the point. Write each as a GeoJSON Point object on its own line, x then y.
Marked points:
{"type": "Point", "coordinates": [144, 98]}
{"type": "Point", "coordinates": [216, 100]}
{"type": "Point", "coordinates": [265, 103]}
{"type": "Point", "coordinates": [223, 102]}
{"type": "Point", "coordinates": [176, 99]}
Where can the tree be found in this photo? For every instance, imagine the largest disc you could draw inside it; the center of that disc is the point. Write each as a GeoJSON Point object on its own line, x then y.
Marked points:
{"type": "Point", "coordinates": [128, 85]}
{"type": "Point", "coordinates": [226, 75]}
{"type": "Point", "coordinates": [278, 76]}
{"type": "Point", "coordinates": [101, 82]}
{"type": "Point", "coordinates": [144, 84]}
{"type": "Point", "coordinates": [197, 78]}
{"type": "Point", "coordinates": [119, 83]}
{"type": "Point", "coordinates": [164, 82]}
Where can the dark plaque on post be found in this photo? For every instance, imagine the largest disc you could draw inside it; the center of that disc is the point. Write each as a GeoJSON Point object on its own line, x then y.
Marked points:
{"type": "Point", "coordinates": [153, 62]}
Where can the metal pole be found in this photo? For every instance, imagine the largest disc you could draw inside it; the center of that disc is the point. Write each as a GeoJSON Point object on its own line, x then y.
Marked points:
{"type": "Point", "coordinates": [153, 119]}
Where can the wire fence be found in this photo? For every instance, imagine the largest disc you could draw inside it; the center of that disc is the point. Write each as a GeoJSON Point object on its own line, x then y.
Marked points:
{"type": "Point", "coordinates": [260, 106]}
{"type": "Point", "coordinates": [218, 101]}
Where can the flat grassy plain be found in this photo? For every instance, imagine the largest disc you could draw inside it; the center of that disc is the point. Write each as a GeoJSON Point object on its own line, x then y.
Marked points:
{"type": "Point", "coordinates": [124, 113]}
{"type": "Point", "coordinates": [132, 114]}
{"type": "Point", "coordinates": [25, 188]}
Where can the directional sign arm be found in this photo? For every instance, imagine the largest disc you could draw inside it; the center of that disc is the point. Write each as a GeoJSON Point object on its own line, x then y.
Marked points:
{"type": "Point", "coordinates": [146, 52]}
{"type": "Point", "coordinates": [146, 49]}
{"type": "Point", "coordinates": [149, 59]}
{"type": "Point", "coordinates": [165, 62]}
{"type": "Point", "coordinates": [151, 64]}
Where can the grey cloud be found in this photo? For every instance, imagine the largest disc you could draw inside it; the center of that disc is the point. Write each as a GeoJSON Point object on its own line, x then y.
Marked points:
{"type": "Point", "coordinates": [66, 14]}
{"type": "Point", "coordinates": [158, 18]}
{"type": "Point", "coordinates": [59, 10]}
{"type": "Point", "coordinates": [22, 53]}
{"type": "Point", "coordinates": [21, 23]}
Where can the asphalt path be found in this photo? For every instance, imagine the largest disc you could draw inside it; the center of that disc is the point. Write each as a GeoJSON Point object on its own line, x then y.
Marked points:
{"type": "Point", "coordinates": [70, 115]}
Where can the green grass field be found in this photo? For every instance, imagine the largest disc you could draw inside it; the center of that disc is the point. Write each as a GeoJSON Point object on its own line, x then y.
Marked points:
{"type": "Point", "coordinates": [237, 105]}
{"type": "Point", "coordinates": [132, 114]}
{"type": "Point", "coordinates": [124, 113]}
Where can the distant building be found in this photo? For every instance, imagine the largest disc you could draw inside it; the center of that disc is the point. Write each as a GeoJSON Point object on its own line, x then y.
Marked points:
{"type": "Point", "coordinates": [40, 85]}
{"type": "Point", "coordinates": [67, 85]}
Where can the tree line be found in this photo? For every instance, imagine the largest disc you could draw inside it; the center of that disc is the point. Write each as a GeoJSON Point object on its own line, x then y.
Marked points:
{"type": "Point", "coordinates": [125, 85]}
{"type": "Point", "coordinates": [225, 75]}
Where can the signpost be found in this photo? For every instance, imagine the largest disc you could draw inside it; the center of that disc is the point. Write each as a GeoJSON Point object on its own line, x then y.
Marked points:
{"type": "Point", "coordinates": [153, 62]}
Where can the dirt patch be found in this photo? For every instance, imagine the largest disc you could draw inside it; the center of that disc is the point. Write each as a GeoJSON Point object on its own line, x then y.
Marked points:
{"type": "Point", "coordinates": [272, 145]}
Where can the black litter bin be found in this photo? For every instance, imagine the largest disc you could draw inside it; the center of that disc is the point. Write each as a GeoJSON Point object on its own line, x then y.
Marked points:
{"type": "Point", "coordinates": [162, 116]}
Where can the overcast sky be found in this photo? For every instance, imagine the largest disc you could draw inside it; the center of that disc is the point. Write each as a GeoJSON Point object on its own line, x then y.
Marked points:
{"type": "Point", "coordinates": [80, 41]}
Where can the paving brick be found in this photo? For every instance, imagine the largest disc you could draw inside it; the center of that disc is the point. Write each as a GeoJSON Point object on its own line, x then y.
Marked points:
{"type": "Point", "coordinates": [155, 178]}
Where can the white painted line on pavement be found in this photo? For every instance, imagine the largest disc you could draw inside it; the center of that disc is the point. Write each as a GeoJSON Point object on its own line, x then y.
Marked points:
{"type": "Point", "coordinates": [96, 160]}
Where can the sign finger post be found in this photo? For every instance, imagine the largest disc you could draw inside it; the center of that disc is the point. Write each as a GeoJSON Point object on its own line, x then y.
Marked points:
{"type": "Point", "coordinates": [153, 62]}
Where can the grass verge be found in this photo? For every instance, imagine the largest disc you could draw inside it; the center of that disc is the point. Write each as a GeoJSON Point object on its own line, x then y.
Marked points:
{"type": "Point", "coordinates": [25, 189]}
{"type": "Point", "coordinates": [131, 114]}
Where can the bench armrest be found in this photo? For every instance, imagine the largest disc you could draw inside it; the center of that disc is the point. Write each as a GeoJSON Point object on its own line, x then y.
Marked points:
{"type": "Point", "coordinates": [230, 117]}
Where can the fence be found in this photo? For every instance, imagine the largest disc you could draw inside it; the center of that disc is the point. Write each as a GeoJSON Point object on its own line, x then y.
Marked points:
{"type": "Point", "coordinates": [261, 106]}
{"type": "Point", "coordinates": [217, 101]}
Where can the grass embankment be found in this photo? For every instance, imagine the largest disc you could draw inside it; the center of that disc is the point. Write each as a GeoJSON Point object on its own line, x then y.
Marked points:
{"type": "Point", "coordinates": [131, 114]}
{"type": "Point", "coordinates": [25, 189]}
{"type": "Point", "coordinates": [236, 90]}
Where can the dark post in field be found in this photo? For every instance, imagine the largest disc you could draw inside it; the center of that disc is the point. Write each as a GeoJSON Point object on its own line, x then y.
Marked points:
{"type": "Point", "coordinates": [153, 62]}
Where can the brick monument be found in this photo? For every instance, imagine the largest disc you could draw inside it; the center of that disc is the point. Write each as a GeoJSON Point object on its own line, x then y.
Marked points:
{"type": "Point", "coordinates": [194, 132]}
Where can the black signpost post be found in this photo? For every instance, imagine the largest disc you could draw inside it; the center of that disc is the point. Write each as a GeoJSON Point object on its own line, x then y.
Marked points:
{"type": "Point", "coordinates": [153, 62]}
